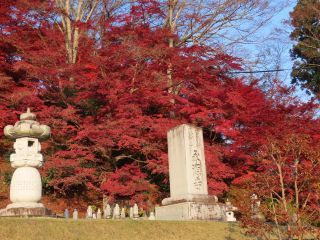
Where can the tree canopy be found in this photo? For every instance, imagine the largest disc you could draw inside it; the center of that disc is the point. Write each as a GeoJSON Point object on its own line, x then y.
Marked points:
{"type": "Point", "coordinates": [306, 33]}
{"type": "Point", "coordinates": [111, 87]}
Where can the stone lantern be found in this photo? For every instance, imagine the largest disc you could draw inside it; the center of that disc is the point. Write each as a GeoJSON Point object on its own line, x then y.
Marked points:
{"type": "Point", "coordinates": [26, 186]}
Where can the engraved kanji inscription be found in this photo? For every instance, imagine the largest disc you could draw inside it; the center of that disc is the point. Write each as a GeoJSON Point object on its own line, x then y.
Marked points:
{"type": "Point", "coordinates": [191, 137]}
{"type": "Point", "coordinates": [197, 170]}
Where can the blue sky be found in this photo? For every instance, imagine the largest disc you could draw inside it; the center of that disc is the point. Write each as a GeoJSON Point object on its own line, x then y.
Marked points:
{"type": "Point", "coordinates": [283, 41]}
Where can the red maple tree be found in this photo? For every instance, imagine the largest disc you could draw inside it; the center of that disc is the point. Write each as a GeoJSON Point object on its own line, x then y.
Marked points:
{"type": "Point", "coordinates": [110, 109]}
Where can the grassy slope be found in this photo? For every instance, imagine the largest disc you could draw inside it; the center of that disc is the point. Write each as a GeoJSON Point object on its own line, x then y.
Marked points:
{"type": "Point", "coordinates": [43, 229]}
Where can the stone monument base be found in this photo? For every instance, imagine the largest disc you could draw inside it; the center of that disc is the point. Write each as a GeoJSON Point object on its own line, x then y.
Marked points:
{"type": "Point", "coordinates": [199, 198]}
{"type": "Point", "coordinates": [25, 205]}
{"type": "Point", "coordinates": [26, 212]}
{"type": "Point", "coordinates": [192, 211]}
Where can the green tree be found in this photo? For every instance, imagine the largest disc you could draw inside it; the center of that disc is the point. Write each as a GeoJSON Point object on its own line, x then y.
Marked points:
{"type": "Point", "coordinates": [305, 19]}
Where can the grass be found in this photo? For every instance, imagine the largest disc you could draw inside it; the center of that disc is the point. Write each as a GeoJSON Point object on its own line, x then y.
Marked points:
{"type": "Point", "coordinates": [65, 229]}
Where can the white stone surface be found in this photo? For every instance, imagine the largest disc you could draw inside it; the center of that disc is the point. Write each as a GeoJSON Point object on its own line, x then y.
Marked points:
{"type": "Point", "coordinates": [25, 205]}
{"type": "Point", "coordinates": [26, 186]}
{"type": "Point", "coordinates": [190, 211]}
{"type": "Point", "coordinates": [187, 169]}
{"type": "Point", "coordinates": [27, 153]}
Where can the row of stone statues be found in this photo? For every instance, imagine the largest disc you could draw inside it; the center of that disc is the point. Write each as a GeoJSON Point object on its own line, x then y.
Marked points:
{"type": "Point", "coordinates": [110, 213]}
{"type": "Point", "coordinates": [120, 213]}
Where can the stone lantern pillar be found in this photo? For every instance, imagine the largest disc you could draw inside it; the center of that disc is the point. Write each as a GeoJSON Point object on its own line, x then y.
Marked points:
{"type": "Point", "coordinates": [26, 186]}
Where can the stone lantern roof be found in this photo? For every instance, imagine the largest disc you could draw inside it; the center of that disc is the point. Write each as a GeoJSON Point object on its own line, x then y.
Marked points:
{"type": "Point", "coordinates": [27, 127]}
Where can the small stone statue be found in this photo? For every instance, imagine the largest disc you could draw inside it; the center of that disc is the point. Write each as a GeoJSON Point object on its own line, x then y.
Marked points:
{"type": "Point", "coordinates": [66, 213]}
{"type": "Point", "coordinates": [254, 197]}
{"type": "Point", "coordinates": [135, 211]}
{"type": "Point", "coordinates": [116, 212]}
{"type": "Point", "coordinates": [94, 216]}
{"type": "Point", "coordinates": [131, 212]}
{"type": "Point", "coordinates": [152, 217]}
{"type": "Point", "coordinates": [99, 214]}
{"type": "Point", "coordinates": [255, 208]}
{"type": "Point", "coordinates": [89, 212]}
{"type": "Point", "coordinates": [107, 212]}
{"type": "Point", "coordinates": [230, 217]}
{"type": "Point", "coordinates": [123, 213]}
{"type": "Point", "coordinates": [75, 214]}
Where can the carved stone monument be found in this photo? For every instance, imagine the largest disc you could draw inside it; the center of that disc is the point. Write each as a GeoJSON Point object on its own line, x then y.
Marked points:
{"type": "Point", "coordinates": [189, 198]}
{"type": "Point", "coordinates": [26, 186]}
{"type": "Point", "coordinates": [135, 211]}
{"type": "Point", "coordinates": [99, 214]}
{"type": "Point", "coordinates": [116, 212]}
{"type": "Point", "coordinates": [131, 212]}
{"type": "Point", "coordinates": [75, 214]}
{"type": "Point", "coordinates": [66, 213]}
{"type": "Point", "coordinates": [123, 213]}
{"type": "Point", "coordinates": [255, 208]}
{"type": "Point", "coordinates": [89, 212]}
{"type": "Point", "coordinates": [107, 212]}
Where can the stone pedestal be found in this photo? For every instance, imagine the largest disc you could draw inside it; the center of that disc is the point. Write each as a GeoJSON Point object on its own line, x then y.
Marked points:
{"type": "Point", "coordinates": [26, 185]}
{"type": "Point", "coordinates": [189, 199]}
{"type": "Point", "coordinates": [26, 212]}
{"type": "Point", "coordinates": [191, 211]}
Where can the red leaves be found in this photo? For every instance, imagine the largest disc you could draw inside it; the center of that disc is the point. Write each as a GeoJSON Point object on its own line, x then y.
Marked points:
{"type": "Point", "coordinates": [128, 182]}
{"type": "Point", "coordinates": [286, 183]}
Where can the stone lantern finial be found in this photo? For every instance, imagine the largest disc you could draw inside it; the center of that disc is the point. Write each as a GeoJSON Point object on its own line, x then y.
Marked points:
{"type": "Point", "coordinates": [28, 115]}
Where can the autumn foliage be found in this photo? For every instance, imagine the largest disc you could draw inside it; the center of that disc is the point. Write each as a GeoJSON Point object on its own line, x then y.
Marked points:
{"type": "Point", "coordinates": [110, 110]}
{"type": "Point", "coordinates": [286, 188]}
